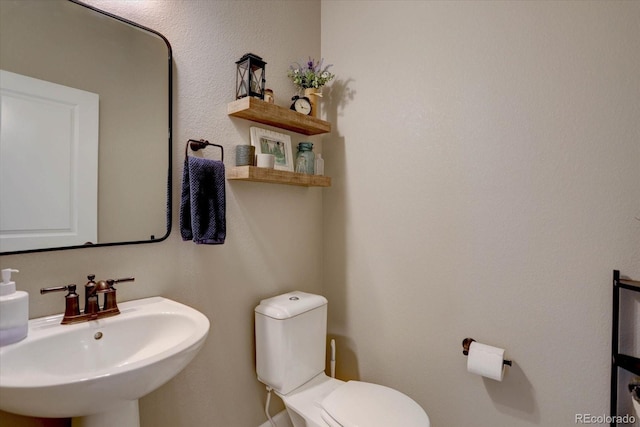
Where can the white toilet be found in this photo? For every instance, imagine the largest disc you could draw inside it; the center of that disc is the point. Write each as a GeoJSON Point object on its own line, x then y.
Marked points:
{"type": "Point", "coordinates": [290, 358]}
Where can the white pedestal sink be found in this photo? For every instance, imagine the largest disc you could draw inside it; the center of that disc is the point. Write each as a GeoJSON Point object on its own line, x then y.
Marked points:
{"type": "Point", "coordinates": [96, 371]}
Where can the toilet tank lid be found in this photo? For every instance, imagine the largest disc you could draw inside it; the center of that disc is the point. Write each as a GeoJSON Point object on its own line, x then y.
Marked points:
{"type": "Point", "coordinates": [290, 305]}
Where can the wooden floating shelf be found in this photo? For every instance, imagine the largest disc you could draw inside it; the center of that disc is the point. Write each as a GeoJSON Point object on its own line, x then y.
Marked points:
{"type": "Point", "coordinates": [273, 176]}
{"type": "Point", "coordinates": [256, 110]}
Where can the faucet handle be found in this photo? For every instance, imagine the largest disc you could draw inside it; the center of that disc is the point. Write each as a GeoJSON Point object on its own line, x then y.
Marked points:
{"type": "Point", "coordinates": [110, 303]}
{"type": "Point", "coordinates": [72, 306]}
{"type": "Point", "coordinates": [57, 289]}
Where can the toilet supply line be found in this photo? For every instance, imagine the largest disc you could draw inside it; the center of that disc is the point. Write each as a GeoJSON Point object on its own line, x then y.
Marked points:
{"type": "Point", "coordinates": [266, 407]}
{"type": "Point", "coordinates": [333, 375]}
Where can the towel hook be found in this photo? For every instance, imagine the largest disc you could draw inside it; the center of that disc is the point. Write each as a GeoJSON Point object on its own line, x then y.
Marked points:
{"type": "Point", "coordinates": [199, 145]}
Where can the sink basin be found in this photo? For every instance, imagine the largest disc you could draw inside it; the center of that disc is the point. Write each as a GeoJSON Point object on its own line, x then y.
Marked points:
{"type": "Point", "coordinates": [100, 366]}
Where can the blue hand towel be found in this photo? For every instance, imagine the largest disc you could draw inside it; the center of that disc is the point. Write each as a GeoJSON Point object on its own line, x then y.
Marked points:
{"type": "Point", "coordinates": [202, 205]}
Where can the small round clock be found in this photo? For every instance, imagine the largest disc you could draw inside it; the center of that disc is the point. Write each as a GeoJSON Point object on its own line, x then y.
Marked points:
{"type": "Point", "coordinates": [301, 104]}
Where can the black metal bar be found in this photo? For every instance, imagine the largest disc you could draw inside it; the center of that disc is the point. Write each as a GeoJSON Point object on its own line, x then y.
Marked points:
{"type": "Point", "coordinates": [632, 285]}
{"type": "Point", "coordinates": [624, 361]}
{"type": "Point", "coordinates": [628, 363]}
{"type": "Point", "coordinates": [614, 347]}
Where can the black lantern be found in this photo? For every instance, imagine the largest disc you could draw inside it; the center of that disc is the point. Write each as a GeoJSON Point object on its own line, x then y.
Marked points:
{"type": "Point", "coordinates": [250, 79]}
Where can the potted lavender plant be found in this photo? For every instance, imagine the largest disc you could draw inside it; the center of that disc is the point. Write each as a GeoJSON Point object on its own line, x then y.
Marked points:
{"type": "Point", "coordinates": [310, 79]}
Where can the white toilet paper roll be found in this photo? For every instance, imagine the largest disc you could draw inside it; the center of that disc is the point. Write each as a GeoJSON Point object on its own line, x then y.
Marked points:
{"type": "Point", "coordinates": [486, 360]}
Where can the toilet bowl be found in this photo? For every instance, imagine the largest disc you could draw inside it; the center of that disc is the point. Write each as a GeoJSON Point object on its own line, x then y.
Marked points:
{"type": "Point", "coordinates": [290, 359]}
{"type": "Point", "coordinates": [328, 402]}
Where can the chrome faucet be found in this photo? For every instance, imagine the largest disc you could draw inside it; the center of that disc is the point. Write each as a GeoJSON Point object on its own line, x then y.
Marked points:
{"type": "Point", "coordinates": [92, 309]}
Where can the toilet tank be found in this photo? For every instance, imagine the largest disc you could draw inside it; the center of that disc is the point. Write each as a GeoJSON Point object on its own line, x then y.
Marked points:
{"type": "Point", "coordinates": [291, 334]}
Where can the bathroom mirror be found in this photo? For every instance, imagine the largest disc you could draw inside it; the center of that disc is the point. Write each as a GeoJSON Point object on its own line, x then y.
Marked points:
{"type": "Point", "coordinates": [123, 195]}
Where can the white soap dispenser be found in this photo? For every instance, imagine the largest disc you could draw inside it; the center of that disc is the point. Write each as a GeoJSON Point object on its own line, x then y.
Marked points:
{"type": "Point", "coordinates": [14, 310]}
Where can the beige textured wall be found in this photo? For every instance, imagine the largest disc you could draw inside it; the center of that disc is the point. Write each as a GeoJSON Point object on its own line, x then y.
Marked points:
{"type": "Point", "coordinates": [486, 167]}
{"type": "Point", "coordinates": [274, 234]}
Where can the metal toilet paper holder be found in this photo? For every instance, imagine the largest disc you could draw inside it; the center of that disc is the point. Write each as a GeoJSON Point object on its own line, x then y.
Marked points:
{"type": "Point", "coordinates": [466, 343]}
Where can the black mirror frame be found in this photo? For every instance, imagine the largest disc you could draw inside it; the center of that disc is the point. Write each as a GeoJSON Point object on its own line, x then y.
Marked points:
{"type": "Point", "coordinates": [169, 168]}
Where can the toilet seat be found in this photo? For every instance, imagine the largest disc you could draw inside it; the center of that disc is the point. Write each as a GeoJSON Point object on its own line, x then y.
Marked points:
{"type": "Point", "coordinates": [358, 404]}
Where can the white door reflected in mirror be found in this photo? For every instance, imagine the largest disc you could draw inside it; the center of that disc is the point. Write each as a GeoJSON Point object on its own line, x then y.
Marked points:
{"type": "Point", "coordinates": [48, 164]}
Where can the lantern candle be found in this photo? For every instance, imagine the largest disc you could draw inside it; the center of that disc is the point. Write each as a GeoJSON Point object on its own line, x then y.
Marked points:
{"type": "Point", "coordinates": [250, 78]}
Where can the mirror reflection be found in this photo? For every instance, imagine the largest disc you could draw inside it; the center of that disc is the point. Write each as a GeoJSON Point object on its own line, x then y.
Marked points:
{"type": "Point", "coordinates": [75, 174]}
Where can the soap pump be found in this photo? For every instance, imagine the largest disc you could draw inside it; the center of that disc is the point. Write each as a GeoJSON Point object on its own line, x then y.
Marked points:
{"type": "Point", "coordinates": [14, 310]}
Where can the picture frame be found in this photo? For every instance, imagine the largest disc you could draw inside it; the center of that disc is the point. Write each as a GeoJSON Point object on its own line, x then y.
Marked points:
{"type": "Point", "coordinates": [276, 143]}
